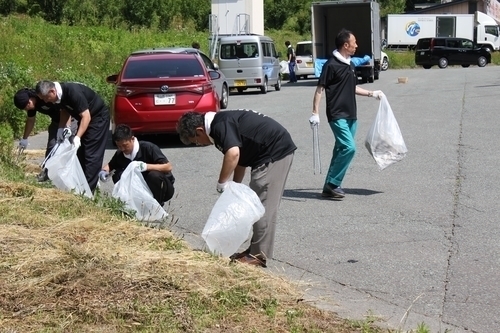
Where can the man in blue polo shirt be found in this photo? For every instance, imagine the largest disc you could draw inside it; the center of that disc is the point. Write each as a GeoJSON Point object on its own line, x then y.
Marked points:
{"type": "Point", "coordinates": [338, 77]}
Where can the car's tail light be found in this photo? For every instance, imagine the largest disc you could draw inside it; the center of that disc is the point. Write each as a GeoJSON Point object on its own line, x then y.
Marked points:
{"type": "Point", "coordinates": [201, 89]}
{"type": "Point", "coordinates": [124, 91]}
{"type": "Point", "coordinates": [299, 61]}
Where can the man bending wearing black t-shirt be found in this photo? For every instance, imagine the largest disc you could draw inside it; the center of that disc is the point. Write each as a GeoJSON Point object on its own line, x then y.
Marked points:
{"type": "Point", "coordinates": [247, 139]}
{"type": "Point", "coordinates": [26, 99]}
{"type": "Point", "coordinates": [87, 107]}
{"type": "Point", "coordinates": [155, 167]}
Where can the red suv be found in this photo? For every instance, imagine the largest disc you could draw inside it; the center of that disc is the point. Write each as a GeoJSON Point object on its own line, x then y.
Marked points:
{"type": "Point", "coordinates": [156, 87]}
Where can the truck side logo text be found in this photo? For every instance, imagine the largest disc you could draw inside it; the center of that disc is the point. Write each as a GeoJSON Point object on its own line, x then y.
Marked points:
{"type": "Point", "coordinates": [412, 28]}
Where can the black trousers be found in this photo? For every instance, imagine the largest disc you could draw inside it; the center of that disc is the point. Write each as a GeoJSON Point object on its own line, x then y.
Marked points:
{"type": "Point", "coordinates": [93, 146]}
{"type": "Point", "coordinates": [160, 185]}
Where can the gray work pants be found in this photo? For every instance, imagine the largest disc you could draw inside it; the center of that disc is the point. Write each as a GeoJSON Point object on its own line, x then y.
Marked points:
{"type": "Point", "coordinates": [268, 181]}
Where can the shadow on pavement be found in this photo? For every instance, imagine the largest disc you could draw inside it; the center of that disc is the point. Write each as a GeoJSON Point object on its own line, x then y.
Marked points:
{"type": "Point", "coordinates": [310, 193]}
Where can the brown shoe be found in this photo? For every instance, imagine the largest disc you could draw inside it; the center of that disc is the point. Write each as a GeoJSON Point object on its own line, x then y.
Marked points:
{"type": "Point", "coordinates": [239, 255]}
{"type": "Point", "coordinates": [252, 260]}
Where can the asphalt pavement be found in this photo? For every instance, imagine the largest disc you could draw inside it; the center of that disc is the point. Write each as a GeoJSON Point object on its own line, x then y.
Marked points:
{"type": "Point", "coordinates": [416, 242]}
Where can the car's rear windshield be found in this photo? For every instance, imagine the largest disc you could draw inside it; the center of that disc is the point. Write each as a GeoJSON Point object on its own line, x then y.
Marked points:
{"type": "Point", "coordinates": [239, 50]}
{"type": "Point", "coordinates": [303, 50]}
{"type": "Point", "coordinates": [423, 44]}
{"type": "Point", "coordinates": [162, 68]}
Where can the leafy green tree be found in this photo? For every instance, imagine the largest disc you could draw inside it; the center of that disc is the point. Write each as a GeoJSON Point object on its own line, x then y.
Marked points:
{"type": "Point", "coordinates": [50, 10]}
{"type": "Point", "coordinates": [392, 7]}
{"type": "Point", "coordinates": [8, 6]}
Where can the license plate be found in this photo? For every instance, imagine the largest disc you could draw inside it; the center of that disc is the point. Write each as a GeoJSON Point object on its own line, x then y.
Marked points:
{"type": "Point", "coordinates": [309, 64]}
{"type": "Point", "coordinates": [164, 99]}
{"type": "Point", "coordinates": [240, 83]}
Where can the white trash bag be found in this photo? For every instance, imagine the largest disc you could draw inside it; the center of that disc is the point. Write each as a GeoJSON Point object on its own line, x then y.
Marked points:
{"type": "Point", "coordinates": [134, 191]}
{"type": "Point", "coordinates": [65, 171]}
{"type": "Point", "coordinates": [284, 67]}
{"type": "Point", "coordinates": [232, 218]}
{"type": "Point", "coordinates": [384, 140]}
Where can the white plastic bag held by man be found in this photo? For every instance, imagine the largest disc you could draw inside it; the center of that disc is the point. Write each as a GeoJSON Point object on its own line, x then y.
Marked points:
{"type": "Point", "coordinates": [133, 190]}
{"type": "Point", "coordinates": [232, 218]}
{"type": "Point", "coordinates": [384, 140]}
{"type": "Point", "coordinates": [65, 171]}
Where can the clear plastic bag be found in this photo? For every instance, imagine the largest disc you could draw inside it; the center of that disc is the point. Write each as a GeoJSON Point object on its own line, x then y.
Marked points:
{"type": "Point", "coordinates": [65, 171]}
{"type": "Point", "coordinates": [384, 140]}
{"type": "Point", "coordinates": [134, 191]}
{"type": "Point", "coordinates": [232, 218]}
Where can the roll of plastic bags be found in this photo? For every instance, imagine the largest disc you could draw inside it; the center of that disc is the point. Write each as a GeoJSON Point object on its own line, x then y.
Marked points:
{"type": "Point", "coordinates": [231, 219]}
{"type": "Point", "coordinates": [65, 171]}
{"type": "Point", "coordinates": [133, 190]}
{"type": "Point", "coordinates": [384, 140]}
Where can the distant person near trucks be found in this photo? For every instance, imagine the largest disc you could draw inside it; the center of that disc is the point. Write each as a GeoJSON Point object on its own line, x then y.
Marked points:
{"type": "Point", "coordinates": [290, 52]}
{"type": "Point", "coordinates": [339, 79]}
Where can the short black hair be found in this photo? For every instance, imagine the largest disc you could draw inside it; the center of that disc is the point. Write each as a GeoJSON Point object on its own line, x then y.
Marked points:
{"type": "Point", "coordinates": [196, 45]}
{"type": "Point", "coordinates": [122, 132]}
{"type": "Point", "coordinates": [342, 38]}
{"type": "Point", "coordinates": [186, 127]}
{"type": "Point", "coordinates": [287, 43]}
{"type": "Point", "coordinates": [22, 97]}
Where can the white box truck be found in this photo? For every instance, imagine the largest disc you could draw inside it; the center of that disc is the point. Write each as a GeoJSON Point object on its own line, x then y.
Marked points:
{"type": "Point", "coordinates": [362, 18]}
{"type": "Point", "coordinates": [404, 30]}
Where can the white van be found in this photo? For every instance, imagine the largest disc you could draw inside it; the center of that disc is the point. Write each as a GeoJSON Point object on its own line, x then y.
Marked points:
{"type": "Point", "coordinates": [249, 61]}
{"type": "Point", "coordinates": [304, 63]}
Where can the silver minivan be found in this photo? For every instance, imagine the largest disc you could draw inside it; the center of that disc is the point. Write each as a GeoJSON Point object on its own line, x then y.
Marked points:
{"type": "Point", "coordinates": [249, 61]}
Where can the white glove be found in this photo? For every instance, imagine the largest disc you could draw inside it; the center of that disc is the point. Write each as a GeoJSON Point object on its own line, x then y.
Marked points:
{"type": "Point", "coordinates": [314, 120]}
{"type": "Point", "coordinates": [23, 143]}
{"type": "Point", "coordinates": [141, 166]}
{"type": "Point", "coordinates": [221, 187]}
{"type": "Point", "coordinates": [378, 94]}
{"type": "Point", "coordinates": [77, 142]}
{"type": "Point", "coordinates": [104, 176]}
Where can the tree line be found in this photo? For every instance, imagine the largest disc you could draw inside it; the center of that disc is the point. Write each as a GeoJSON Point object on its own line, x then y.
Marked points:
{"type": "Point", "coordinates": [162, 15]}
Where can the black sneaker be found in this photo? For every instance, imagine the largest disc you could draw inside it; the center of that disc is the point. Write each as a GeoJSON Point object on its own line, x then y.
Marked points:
{"type": "Point", "coordinates": [333, 191]}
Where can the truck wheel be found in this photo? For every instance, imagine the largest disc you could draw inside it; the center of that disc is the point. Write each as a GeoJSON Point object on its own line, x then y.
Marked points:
{"type": "Point", "coordinates": [481, 61]}
{"type": "Point", "coordinates": [263, 89]}
{"type": "Point", "coordinates": [427, 66]}
{"type": "Point", "coordinates": [443, 63]}
{"type": "Point", "coordinates": [465, 65]}
{"type": "Point", "coordinates": [277, 86]}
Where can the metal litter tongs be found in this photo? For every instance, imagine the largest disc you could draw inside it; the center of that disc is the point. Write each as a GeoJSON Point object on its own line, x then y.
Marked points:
{"type": "Point", "coordinates": [316, 154]}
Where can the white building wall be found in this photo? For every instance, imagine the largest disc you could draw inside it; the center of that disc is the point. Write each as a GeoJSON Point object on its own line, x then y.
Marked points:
{"type": "Point", "coordinates": [227, 12]}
